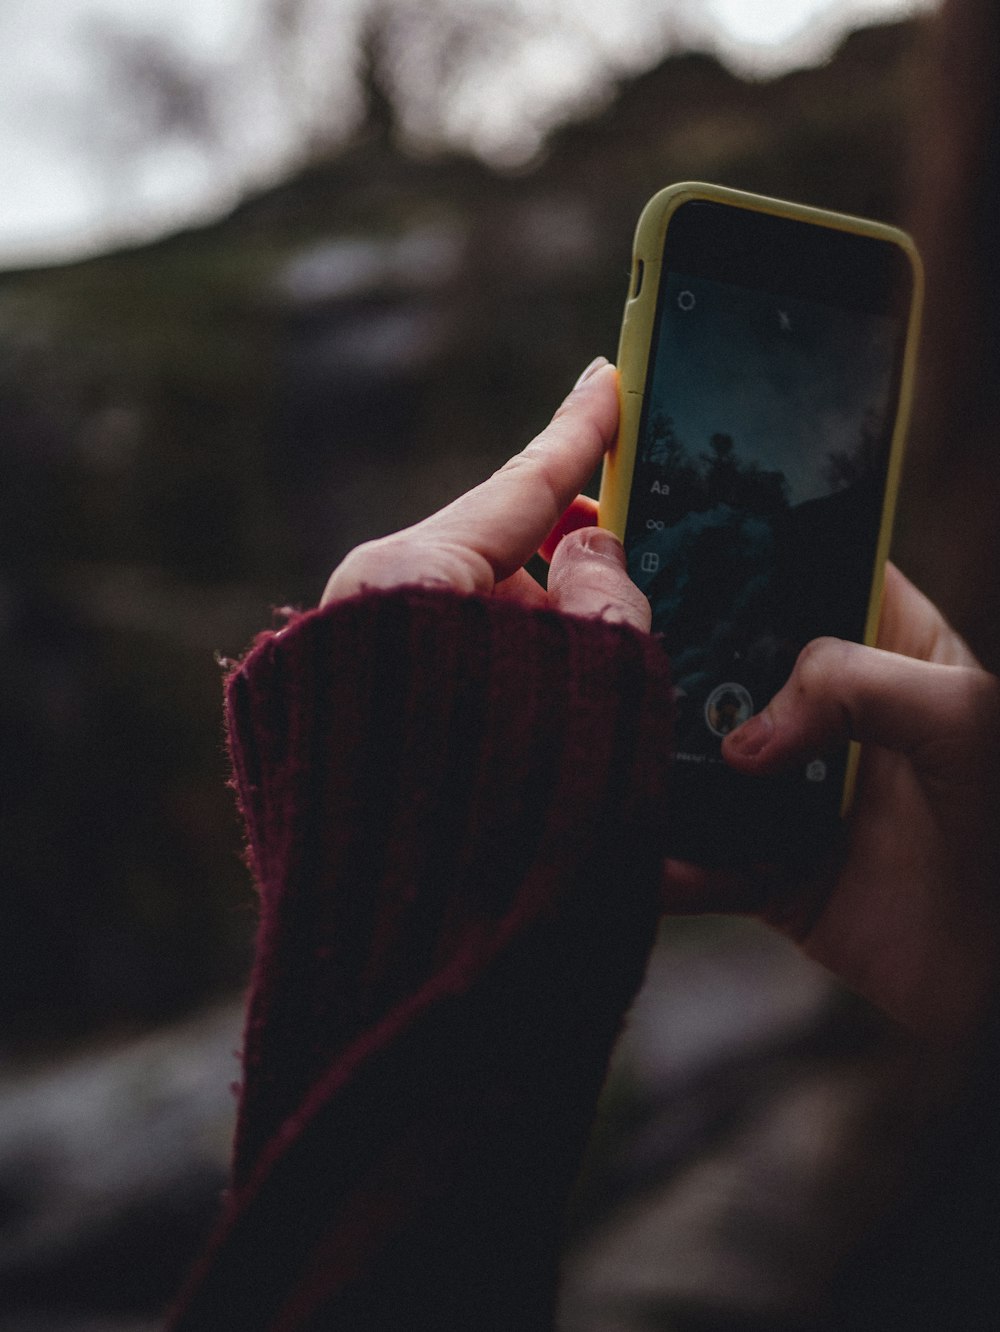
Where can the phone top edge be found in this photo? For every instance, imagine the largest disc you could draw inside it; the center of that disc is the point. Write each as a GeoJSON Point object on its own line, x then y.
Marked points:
{"type": "Point", "coordinates": [640, 314]}
{"type": "Point", "coordinates": [658, 210]}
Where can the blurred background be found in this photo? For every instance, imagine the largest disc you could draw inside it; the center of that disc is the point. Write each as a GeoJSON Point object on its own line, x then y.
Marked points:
{"type": "Point", "coordinates": [284, 275]}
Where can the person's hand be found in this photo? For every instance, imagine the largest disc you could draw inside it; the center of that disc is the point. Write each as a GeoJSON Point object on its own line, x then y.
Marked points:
{"type": "Point", "coordinates": [480, 542]}
{"type": "Point", "coordinates": [909, 916]}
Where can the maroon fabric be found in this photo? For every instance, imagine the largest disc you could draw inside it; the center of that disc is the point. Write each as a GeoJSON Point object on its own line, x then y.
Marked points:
{"type": "Point", "coordinates": [454, 810]}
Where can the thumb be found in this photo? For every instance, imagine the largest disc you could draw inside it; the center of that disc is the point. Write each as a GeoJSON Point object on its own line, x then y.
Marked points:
{"type": "Point", "coordinates": [587, 577]}
{"type": "Point", "coordinates": [937, 715]}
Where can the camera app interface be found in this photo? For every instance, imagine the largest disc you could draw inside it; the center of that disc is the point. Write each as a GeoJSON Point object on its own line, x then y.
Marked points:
{"type": "Point", "coordinates": [758, 490]}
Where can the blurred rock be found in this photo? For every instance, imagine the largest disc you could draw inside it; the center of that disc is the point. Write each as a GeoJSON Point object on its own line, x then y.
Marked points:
{"type": "Point", "coordinates": [339, 269]}
{"type": "Point", "coordinates": [111, 1169]}
{"type": "Point", "coordinates": [749, 1137]}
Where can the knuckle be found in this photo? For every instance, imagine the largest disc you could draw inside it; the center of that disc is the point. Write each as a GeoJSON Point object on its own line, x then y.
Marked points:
{"type": "Point", "coordinates": [535, 460]}
{"type": "Point", "coordinates": [817, 661]}
{"type": "Point", "coordinates": [402, 559]}
{"type": "Point", "coordinates": [515, 464]}
{"type": "Point", "coordinates": [352, 567]}
{"type": "Point", "coordinates": [525, 458]}
{"type": "Point", "coordinates": [369, 559]}
{"type": "Point", "coordinates": [564, 409]}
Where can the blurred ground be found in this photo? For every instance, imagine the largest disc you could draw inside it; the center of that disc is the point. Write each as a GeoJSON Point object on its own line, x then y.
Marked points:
{"type": "Point", "coordinates": [751, 1132]}
{"type": "Point", "coordinates": [750, 1127]}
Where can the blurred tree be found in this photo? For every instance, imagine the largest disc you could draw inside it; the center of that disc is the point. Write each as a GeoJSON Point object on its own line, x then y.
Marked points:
{"type": "Point", "coordinates": [151, 95]}
{"type": "Point", "coordinates": [380, 117]}
{"type": "Point", "coordinates": [283, 23]}
{"type": "Point", "coordinates": [413, 67]}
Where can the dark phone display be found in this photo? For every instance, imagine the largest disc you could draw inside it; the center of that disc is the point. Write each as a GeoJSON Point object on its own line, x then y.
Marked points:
{"type": "Point", "coordinates": [756, 503]}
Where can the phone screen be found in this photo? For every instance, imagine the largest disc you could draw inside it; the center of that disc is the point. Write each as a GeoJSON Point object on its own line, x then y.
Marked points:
{"type": "Point", "coordinates": [759, 483]}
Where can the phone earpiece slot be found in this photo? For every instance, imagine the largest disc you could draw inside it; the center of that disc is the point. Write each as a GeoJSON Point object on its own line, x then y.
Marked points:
{"type": "Point", "coordinates": [637, 281]}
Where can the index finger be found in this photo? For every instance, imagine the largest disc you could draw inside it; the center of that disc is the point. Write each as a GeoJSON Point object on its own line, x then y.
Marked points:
{"type": "Point", "coordinates": [485, 536]}
{"type": "Point", "coordinates": [503, 521]}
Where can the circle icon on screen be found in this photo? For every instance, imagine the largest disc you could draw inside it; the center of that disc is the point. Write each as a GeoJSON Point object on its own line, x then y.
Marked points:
{"type": "Point", "coordinates": [727, 706]}
{"type": "Point", "coordinates": [685, 300]}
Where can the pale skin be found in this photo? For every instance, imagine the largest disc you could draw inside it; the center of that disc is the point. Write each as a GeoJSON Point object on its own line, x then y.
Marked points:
{"type": "Point", "coordinates": [908, 915]}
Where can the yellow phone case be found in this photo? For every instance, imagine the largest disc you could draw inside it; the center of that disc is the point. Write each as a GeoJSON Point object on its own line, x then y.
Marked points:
{"type": "Point", "coordinates": [636, 338]}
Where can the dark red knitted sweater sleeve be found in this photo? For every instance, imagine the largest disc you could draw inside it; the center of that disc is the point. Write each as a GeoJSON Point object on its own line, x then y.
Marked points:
{"type": "Point", "coordinates": [454, 810]}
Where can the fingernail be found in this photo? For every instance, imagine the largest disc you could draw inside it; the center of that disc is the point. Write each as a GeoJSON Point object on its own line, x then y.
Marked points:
{"type": "Point", "coordinates": [598, 541]}
{"type": "Point", "coordinates": [749, 739]}
{"type": "Point", "coordinates": [596, 364]}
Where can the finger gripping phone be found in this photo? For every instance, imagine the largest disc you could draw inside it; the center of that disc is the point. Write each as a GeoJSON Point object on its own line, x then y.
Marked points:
{"type": "Point", "coordinates": [766, 364]}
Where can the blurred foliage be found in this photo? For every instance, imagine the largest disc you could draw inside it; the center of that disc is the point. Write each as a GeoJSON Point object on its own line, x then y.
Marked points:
{"type": "Point", "coordinates": [199, 428]}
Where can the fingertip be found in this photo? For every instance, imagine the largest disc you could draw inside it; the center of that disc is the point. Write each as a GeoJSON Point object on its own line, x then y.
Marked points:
{"type": "Point", "coordinates": [589, 542]}
{"type": "Point", "coordinates": [597, 364]}
{"type": "Point", "coordinates": [594, 397]}
{"type": "Point", "coordinates": [811, 713]}
{"type": "Point", "coordinates": [748, 742]}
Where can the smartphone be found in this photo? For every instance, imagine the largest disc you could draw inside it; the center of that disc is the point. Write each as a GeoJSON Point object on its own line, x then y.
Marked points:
{"type": "Point", "coordinates": [766, 366]}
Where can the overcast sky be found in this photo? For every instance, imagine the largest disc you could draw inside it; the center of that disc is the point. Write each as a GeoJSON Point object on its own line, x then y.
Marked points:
{"type": "Point", "coordinates": [84, 167]}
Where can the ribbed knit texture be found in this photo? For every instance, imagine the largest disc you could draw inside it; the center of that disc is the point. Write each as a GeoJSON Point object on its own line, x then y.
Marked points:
{"type": "Point", "coordinates": [454, 810]}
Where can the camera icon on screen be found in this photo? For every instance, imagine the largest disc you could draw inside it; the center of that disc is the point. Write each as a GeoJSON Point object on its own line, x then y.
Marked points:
{"type": "Point", "coordinates": [727, 706]}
